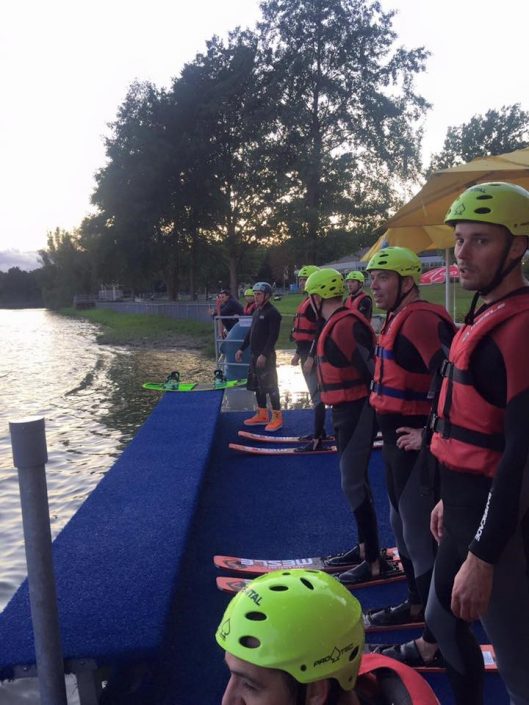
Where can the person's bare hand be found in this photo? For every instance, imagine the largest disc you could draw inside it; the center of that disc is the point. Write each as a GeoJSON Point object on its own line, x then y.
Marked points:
{"type": "Point", "coordinates": [409, 438]}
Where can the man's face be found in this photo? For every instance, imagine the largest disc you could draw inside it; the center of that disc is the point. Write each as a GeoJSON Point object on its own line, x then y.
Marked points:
{"type": "Point", "coordinates": [385, 288]}
{"type": "Point", "coordinates": [301, 283]}
{"type": "Point", "coordinates": [260, 298]}
{"type": "Point", "coordinates": [353, 286]}
{"type": "Point", "coordinates": [223, 297]}
{"type": "Point", "coordinates": [478, 250]}
{"type": "Point", "coordinates": [254, 685]}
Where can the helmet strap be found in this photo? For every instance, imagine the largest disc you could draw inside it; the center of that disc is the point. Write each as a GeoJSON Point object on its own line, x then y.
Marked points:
{"type": "Point", "coordinates": [317, 309]}
{"type": "Point", "coordinates": [496, 280]}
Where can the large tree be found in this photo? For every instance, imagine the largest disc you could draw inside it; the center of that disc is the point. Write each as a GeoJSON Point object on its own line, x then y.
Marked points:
{"type": "Point", "coordinates": [495, 132]}
{"type": "Point", "coordinates": [348, 113]}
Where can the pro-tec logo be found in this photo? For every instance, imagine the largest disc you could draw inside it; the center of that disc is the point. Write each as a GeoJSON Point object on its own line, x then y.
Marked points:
{"type": "Point", "coordinates": [335, 655]}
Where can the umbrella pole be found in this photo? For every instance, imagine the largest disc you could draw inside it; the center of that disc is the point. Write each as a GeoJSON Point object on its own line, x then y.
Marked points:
{"type": "Point", "coordinates": [447, 281]}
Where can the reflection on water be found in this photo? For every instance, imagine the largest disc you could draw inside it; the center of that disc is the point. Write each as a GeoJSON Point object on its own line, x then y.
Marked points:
{"type": "Point", "coordinates": [93, 402]}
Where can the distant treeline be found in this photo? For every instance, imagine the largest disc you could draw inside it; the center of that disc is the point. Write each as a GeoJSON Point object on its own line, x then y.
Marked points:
{"type": "Point", "coordinates": [19, 289]}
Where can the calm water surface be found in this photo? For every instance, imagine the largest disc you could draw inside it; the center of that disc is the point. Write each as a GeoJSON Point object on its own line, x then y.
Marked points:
{"type": "Point", "coordinates": [93, 402]}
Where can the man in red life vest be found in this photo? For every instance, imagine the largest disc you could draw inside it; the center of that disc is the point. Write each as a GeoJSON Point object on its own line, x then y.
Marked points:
{"type": "Point", "coordinates": [345, 359]}
{"type": "Point", "coordinates": [481, 439]}
{"type": "Point", "coordinates": [357, 298]}
{"type": "Point", "coordinates": [413, 343]}
{"type": "Point", "coordinates": [296, 638]}
{"type": "Point", "coordinates": [304, 333]}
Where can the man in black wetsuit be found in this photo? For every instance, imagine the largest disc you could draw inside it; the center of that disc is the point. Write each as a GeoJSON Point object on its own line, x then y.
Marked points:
{"type": "Point", "coordinates": [481, 438]}
{"type": "Point", "coordinates": [262, 372]}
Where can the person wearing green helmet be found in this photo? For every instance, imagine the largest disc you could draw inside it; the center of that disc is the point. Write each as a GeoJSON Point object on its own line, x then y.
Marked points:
{"type": "Point", "coordinates": [357, 298]}
{"type": "Point", "coordinates": [481, 440]}
{"type": "Point", "coordinates": [296, 637]}
{"type": "Point", "coordinates": [412, 345]}
{"type": "Point", "coordinates": [305, 330]}
{"type": "Point", "coordinates": [250, 305]}
{"type": "Point", "coordinates": [345, 358]}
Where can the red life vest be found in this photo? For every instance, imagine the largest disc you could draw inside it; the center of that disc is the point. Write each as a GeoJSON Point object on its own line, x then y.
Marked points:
{"type": "Point", "coordinates": [249, 308]}
{"type": "Point", "coordinates": [304, 329]}
{"type": "Point", "coordinates": [418, 689]}
{"type": "Point", "coordinates": [354, 302]}
{"type": "Point", "coordinates": [341, 384]}
{"type": "Point", "coordinates": [468, 430]}
{"type": "Point", "coordinates": [394, 389]}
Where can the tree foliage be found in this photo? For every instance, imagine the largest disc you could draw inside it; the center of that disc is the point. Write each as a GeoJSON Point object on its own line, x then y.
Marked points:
{"type": "Point", "coordinates": [297, 136]}
{"type": "Point", "coordinates": [495, 132]}
{"type": "Point", "coordinates": [348, 113]}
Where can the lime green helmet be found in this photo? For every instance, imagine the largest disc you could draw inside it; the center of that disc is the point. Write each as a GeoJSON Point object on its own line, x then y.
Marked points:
{"type": "Point", "coordinates": [397, 259]}
{"type": "Point", "coordinates": [498, 203]}
{"type": "Point", "coordinates": [248, 292]}
{"type": "Point", "coordinates": [307, 270]}
{"type": "Point", "coordinates": [355, 277]}
{"type": "Point", "coordinates": [300, 621]}
{"type": "Point", "coordinates": [327, 283]}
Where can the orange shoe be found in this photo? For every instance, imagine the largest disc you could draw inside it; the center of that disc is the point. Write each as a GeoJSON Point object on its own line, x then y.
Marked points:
{"type": "Point", "coordinates": [276, 422]}
{"type": "Point", "coordinates": [260, 418]}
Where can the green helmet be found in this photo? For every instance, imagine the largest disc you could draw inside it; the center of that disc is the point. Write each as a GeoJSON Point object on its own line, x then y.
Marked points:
{"type": "Point", "coordinates": [327, 283]}
{"type": "Point", "coordinates": [303, 622]}
{"type": "Point", "coordinates": [355, 277]}
{"type": "Point", "coordinates": [397, 259]}
{"type": "Point", "coordinates": [307, 270]}
{"type": "Point", "coordinates": [248, 292]}
{"type": "Point", "coordinates": [498, 203]}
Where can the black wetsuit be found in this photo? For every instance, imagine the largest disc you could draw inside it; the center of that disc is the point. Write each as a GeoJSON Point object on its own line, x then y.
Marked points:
{"type": "Point", "coordinates": [261, 338]}
{"type": "Point", "coordinates": [420, 347]}
{"type": "Point", "coordinates": [355, 429]}
{"type": "Point", "coordinates": [231, 307]}
{"type": "Point", "coordinates": [490, 517]}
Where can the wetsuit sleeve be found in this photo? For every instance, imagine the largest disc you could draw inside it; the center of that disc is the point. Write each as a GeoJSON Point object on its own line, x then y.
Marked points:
{"type": "Point", "coordinates": [274, 324]}
{"type": "Point", "coordinates": [501, 512]}
{"type": "Point", "coordinates": [366, 307]}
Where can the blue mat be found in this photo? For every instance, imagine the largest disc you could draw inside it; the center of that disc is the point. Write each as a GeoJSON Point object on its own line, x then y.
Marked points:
{"type": "Point", "coordinates": [264, 507]}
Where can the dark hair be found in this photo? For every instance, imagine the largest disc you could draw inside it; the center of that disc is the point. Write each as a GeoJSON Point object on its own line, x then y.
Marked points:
{"type": "Point", "coordinates": [225, 291]}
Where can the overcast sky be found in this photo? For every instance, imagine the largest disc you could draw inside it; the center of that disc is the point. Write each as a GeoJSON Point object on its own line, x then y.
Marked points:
{"type": "Point", "coordinates": [66, 65]}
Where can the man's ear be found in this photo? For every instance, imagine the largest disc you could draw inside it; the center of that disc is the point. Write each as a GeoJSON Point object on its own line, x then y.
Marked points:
{"type": "Point", "coordinates": [317, 693]}
{"type": "Point", "coordinates": [519, 245]}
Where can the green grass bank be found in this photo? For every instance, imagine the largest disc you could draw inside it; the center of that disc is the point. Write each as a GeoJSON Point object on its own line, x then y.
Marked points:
{"type": "Point", "coordinates": [141, 330]}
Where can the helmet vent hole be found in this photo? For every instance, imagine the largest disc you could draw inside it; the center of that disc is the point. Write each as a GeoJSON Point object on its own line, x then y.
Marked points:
{"type": "Point", "coordinates": [353, 654]}
{"type": "Point", "coordinates": [256, 616]}
{"type": "Point", "coordinates": [250, 642]}
{"type": "Point", "coordinates": [303, 667]}
{"type": "Point", "coordinates": [278, 588]}
{"type": "Point", "coordinates": [482, 211]}
{"type": "Point", "coordinates": [307, 583]}
{"type": "Point", "coordinates": [484, 197]}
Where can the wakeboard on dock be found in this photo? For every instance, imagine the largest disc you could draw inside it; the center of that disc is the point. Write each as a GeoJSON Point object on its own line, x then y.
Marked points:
{"type": "Point", "coordinates": [237, 583]}
{"type": "Point", "coordinates": [267, 450]}
{"type": "Point", "coordinates": [255, 566]}
{"type": "Point", "coordinates": [173, 384]}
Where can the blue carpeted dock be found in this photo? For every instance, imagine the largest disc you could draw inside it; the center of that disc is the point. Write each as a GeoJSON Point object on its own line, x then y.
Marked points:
{"type": "Point", "coordinates": [135, 578]}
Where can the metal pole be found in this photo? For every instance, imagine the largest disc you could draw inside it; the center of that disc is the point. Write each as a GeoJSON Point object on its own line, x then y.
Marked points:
{"type": "Point", "coordinates": [28, 441]}
{"type": "Point", "coordinates": [447, 281]}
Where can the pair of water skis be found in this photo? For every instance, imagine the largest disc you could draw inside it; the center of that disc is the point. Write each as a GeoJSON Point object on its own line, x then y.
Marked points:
{"type": "Point", "coordinates": [245, 569]}
{"type": "Point", "coordinates": [287, 445]}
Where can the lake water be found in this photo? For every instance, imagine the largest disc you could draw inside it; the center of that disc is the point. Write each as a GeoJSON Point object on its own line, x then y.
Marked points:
{"type": "Point", "coordinates": [93, 402]}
